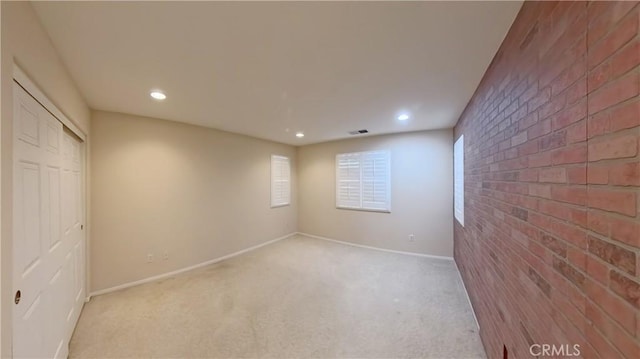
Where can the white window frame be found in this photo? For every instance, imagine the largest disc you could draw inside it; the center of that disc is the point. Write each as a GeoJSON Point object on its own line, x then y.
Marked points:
{"type": "Point", "coordinates": [357, 203]}
{"type": "Point", "coordinates": [279, 178]}
{"type": "Point", "coordinates": [458, 180]}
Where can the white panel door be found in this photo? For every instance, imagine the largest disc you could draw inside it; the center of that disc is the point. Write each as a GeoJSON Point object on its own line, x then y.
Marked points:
{"type": "Point", "coordinates": [48, 240]}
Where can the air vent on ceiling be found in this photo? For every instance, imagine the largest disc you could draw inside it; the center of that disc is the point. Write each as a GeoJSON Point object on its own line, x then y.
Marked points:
{"type": "Point", "coordinates": [358, 132]}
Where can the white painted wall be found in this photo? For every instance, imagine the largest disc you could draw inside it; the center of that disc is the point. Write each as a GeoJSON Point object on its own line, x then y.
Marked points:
{"type": "Point", "coordinates": [421, 193]}
{"type": "Point", "coordinates": [196, 193]}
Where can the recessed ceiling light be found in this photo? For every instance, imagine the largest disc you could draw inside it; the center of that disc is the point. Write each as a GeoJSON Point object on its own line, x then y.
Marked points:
{"type": "Point", "coordinates": [158, 95]}
{"type": "Point", "coordinates": [299, 134]}
{"type": "Point", "coordinates": [403, 117]}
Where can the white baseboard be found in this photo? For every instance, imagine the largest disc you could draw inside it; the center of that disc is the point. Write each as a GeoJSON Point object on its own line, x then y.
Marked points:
{"type": "Point", "coordinates": [466, 293]}
{"type": "Point", "coordinates": [377, 248]}
{"type": "Point", "coordinates": [179, 271]}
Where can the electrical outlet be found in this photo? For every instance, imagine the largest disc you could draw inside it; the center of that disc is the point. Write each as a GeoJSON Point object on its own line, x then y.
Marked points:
{"type": "Point", "coordinates": [150, 258]}
{"type": "Point", "coordinates": [412, 238]}
{"type": "Point", "coordinates": [165, 256]}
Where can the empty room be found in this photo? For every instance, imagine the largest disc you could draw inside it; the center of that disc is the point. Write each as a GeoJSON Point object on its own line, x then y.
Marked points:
{"type": "Point", "coordinates": [320, 179]}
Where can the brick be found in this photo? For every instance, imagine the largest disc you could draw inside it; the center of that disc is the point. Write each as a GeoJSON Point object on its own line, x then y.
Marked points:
{"type": "Point", "coordinates": [625, 231]}
{"type": "Point", "coordinates": [638, 324]}
{"type": "Point", "coordinates": [568, 78]}
{"type": "Point", "coordinates": [613, 147]}
{"type": "Point", "coordinates": [621, 339]}
{"type": "Point", "coordinates": [598, 124]}
{"type": "Point", "coordinates": [538, 190]}
{"type": "Point", "coordinates": [577, 132]}
{"type": "Point", "coordinates": [574, 317]}
{"type": "Point", "coordinates": [528, 120]}
{"type": "Point", "coordinates": [540, 282]}
{"type": "Point", "coordinates": [586, 349]}
{"type": "Point", "coordinates": [555, 245]}
{"type": "Point", "coordinates": [577, 91]}
{"type": "Point", "coordinates": [623, 202]}
{"type": "Point", "coordinates": [553, 140]}
{"type": "Point", "coordinates": [527, 202]}
{"type": "Point", "coordinates": [597, 270]}
{"type": "Point", "coordinates": [568, 272]}
{"type": "Point", "coordinates": [614, 93]}
{"type": "Point", "coordinates": [570, 194]}
{"type": "Point", "coordinates": [613, 254]}
{"type": "Point", "coordinates": [520, 213]}
{"type": "Point", "coordinates": [599, 76]}
{"type": "Point", "coordinates": [513, 164]}
{"type": "Point", "coordinates": [540, 160]}
{"type": "Point", "coordinates": [504, 145]}
{"type": "Point", "coordinates": [520, 113]}
{"type": "Point", "coordinates": [556, 104]}
{"type": "Point", "coordinates": [519, 139]}
{"type": "Point", "coordinates": [625, 287]}
{"type": "Point", "coordinates": [562, 31]}
{"type": "Point", "coordinates": [617, 308]}
{"type": "Point", "coordinates": [511, 153]}
{"type": "Point", "coordinates": [625, 174]}
{"type": "Point", "coordinates": [626, 59]}
{"type": "Point", "coordinates": [603, 16]}
{"type": "Point", "coordinates": [528, 148]}
{"type": "Point", "coordinates": [539, 251]}
{"type": "Point", "coordinates": [539, 129]}
{"type": "Point", "coordinates": [553, 174]}
{"type": "Point", "coordinates": [505, 102]}
{"type": "Point", "coordinates": [597, 174]}
{"type": "Point", "coordinates": [576, 215]}
{"type": "Point", "coordinates": [601, 345]}
{"type": "Point", "coordinates": [561, 71]}
{"type": "Point", "coordinates": [571, 154]}
{"type": "Point", "coordinates": [553, 213]}
{"type": "Point", "coordinates": [624, 117]}
{"type": "Point", "coordinates": [567, 232]}
{"type": "Point", "coordinates": [539, 99]}
{"type": "Point", "coordinates": [622, 34]}
{"type": "Point", "coordinates": [527, 95]}
{"type": "Point", "coordinates": [529, 174]}
{"type": "Point", "coordinates": [598, 222]}
{"type": "Point", "coordinates": [577, 175]}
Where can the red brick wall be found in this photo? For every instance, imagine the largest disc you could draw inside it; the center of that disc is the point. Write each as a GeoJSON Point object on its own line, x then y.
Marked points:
{"type": "Point", "coordinates": [550, 251]}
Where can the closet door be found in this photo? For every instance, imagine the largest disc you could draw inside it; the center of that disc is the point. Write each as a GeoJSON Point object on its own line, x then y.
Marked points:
{"type": "Point", "coordinates": [48, 238]}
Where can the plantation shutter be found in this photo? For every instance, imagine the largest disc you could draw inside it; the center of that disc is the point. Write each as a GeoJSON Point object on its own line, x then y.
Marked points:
{"type": "Point", "coordinates": [363, 181]}
{"type": "Point", "coordinates": [348, 180]}
{"type": "Point", "coordinates": [375, 180]}
{"type": "Point", "coordinates": [458, 180]}
{"type": "Point", "coordinates": [280, 181]}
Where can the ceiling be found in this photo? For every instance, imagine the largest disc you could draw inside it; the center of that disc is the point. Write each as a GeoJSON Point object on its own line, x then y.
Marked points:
{"type": "Point", "coordinates": [271, 69]}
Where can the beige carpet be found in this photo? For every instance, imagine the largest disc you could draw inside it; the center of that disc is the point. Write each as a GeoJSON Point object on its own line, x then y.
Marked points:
{"type": "Point", "coordinates": [297, 298]}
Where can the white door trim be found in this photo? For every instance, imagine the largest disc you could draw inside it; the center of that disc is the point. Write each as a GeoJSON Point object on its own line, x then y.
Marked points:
{"type": "Point", "coordinates": [23, 80]}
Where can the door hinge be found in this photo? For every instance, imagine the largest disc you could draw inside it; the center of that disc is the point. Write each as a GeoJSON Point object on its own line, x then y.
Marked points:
{"type": "Point", "coordinates": [81, 226]}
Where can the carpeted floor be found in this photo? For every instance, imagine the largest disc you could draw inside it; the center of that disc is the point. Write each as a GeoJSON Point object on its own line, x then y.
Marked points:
{"type": "Point", "coordinates": [297, 298]}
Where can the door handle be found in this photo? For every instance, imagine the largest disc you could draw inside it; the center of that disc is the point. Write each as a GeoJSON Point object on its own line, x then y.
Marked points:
{"type": "Point", "coordinates": [17, 297]}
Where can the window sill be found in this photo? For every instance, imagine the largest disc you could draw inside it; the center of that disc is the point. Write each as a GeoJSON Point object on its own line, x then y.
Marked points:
{"type": "Point", "coordinates": [365, 209]}
{"type": "Point", "coordinates": [280, 205]}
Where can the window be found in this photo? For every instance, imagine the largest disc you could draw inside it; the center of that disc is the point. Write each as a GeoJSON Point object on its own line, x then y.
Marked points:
{"type": "Point", "coordinates": [458, 180]}
{"type": "Point", "coordinates": [280, 181]}
{"type": "Point", "coordinates": [363, 181]}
